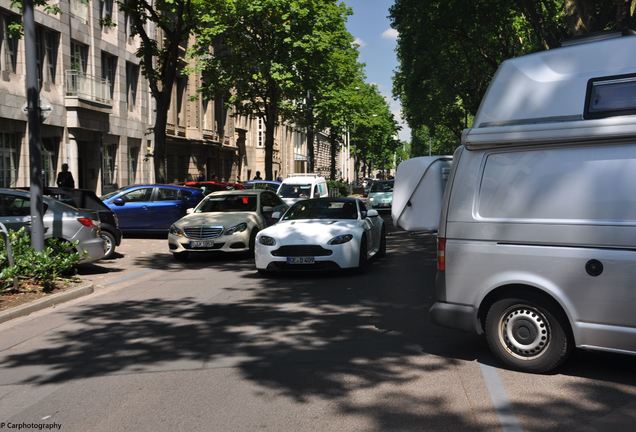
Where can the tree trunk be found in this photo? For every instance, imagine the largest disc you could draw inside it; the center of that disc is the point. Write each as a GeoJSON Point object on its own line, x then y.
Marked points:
{"type": "Point", "coordinates": [546, 36]}
{"type": "Point", "coordinates": [311, 153]}
{"type": "Point", "coordinates": [579, 16]}
{"type": "Point", "coordinates": [161, 145]}
{"type": "Point", "coordinates": [333, 141]}
{"type": "Point", "coordinates": [271, 113]}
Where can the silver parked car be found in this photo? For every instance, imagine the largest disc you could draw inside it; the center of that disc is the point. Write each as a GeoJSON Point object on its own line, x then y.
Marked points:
{"type": "Point", "coordinates": [61, 221]}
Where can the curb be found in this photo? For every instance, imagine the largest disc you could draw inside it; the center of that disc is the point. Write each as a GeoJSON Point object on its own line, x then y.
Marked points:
{"type": "Point", "coordinates": [43, 303]}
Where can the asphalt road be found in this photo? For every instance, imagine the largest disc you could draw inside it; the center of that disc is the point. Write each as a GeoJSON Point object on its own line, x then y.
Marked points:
{"type": "Point", "coordinates": [209, 345]}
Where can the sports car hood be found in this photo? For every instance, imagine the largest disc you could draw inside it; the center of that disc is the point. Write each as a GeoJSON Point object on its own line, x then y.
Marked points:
{"type": "Point", "coordinates": [225, 219]}
{"type": "Point", "coordinates": [311, 231]}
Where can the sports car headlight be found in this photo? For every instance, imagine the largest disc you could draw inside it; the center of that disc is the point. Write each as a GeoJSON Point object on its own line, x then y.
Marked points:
{"type": "Point", "coordinates": [267, 240]}
{"type": "Point", "coordinates": [176, 231]}
{"type": "Point", "coordinates": [340, 239]}
{"type": "Point", "coordinates": [236, 228]}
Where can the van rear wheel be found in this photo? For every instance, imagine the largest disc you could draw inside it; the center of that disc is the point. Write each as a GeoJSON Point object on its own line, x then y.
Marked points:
{"type": "Point", "coordinates": [527, 334]}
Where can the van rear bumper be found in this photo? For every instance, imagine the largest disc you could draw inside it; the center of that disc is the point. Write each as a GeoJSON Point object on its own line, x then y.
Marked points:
{"type": "Point", "coordinates": [456, 316]}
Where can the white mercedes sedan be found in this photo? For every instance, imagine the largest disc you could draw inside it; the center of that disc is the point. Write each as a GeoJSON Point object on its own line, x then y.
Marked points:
{"type": "Point", "coordinates": [321, 234]}
{"type": "Point", "coordinates": [225, 221]}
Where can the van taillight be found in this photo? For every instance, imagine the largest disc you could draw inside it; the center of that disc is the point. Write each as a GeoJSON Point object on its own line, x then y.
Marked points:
{"type": "Point", "coordinates": [87, 222]}
{"type": "Point", "coordinates": [441, 254]}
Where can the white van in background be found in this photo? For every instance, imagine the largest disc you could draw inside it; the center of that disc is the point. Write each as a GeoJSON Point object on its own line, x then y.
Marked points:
{"type": "Point", "coordinates": [537, 230]}
{"type": "Point", "coordinates": [298, 187]}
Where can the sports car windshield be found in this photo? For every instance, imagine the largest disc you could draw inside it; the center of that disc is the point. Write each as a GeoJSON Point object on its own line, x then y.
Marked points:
{"type": "Point", "coordinates": [227, 203]}
{"type": "Point", "coordinates": [295, 190]}
{"type": "Point", "coordinates": [322, 209]}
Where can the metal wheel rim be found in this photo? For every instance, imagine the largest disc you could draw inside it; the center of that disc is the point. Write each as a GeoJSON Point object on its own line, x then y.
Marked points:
{"type": "Point", "coordinates": [109, 244]}
{"type": "Point", "coordinates": [525, 332]}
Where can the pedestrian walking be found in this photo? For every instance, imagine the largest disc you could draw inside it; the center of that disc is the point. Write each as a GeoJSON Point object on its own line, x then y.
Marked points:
{"type": "Point", "coordinates": [258, 176]}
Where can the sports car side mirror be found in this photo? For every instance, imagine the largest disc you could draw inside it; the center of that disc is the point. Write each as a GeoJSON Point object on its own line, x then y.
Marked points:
{"type": "Point", "coordinates": [190, 211]}
{"type": "Point", "coordinates": [276, 215]}
{"type": "Point", "coordinates": [372, 213]}
{"type": "Point", "coordinates": [119, 202]}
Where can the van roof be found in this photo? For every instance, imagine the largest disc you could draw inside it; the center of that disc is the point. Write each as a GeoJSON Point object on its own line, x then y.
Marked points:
{"type": "Point", "coordinates": [303, 179]}
{"type": "Point", "coordinates": [547, 91]}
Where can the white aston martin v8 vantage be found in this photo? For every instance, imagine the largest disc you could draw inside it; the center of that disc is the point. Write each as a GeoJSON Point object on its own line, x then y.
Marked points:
{"type": "Point", "coordinates": [321, 234]}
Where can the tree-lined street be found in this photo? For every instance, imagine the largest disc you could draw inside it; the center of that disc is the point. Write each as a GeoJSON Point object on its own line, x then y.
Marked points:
{"type": "Point", "coordinates": [209, 345]}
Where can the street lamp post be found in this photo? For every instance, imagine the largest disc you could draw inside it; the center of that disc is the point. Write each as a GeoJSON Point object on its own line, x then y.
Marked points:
{"type": "Point", "coordinates": [33, 124]}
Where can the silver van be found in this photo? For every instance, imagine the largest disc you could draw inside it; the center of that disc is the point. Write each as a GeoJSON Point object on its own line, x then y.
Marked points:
{"type": "Point", "coordinates": [537, 231]}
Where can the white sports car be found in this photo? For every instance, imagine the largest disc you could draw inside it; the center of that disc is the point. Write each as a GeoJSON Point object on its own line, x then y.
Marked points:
{"type": "Point", "coordinates": [321, 234]}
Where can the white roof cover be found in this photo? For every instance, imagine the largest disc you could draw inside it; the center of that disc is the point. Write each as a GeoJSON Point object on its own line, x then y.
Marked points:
{"type": "Point", "coordinates": [552, 83]}
{"type": "Point", "coordinates": [418, 191]}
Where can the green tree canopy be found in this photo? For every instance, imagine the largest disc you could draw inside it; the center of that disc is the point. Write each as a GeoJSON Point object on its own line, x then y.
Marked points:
{"type": "Point", "coordinates": [272, 54]}
{"type": "Point", "coordinates": [449, 50]}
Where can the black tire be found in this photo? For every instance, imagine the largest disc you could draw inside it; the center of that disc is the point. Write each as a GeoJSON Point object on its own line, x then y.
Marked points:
{"type": "Point", "coordinates": [263, 272]}
{"type": "Point", "coordinates": [180, 256]}
{"type": "Point", "coordinates": [362, 258]}
{"type": "Point", "coordinates": [252, 244]}
{"type": "Point", "coordinates": [111, 244]}
{"type": "Point", "coordinates": [528, 334]}
{"type": "Point", "coordinates": [382, 251]}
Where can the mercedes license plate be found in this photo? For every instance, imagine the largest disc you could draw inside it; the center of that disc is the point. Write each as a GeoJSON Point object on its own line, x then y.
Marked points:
{"type": "Point", "coordinates": [201, 244]}
{"type": "Point", "coordinates": [300, 260]}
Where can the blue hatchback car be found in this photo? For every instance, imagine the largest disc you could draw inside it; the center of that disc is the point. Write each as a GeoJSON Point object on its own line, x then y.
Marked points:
{"type": "Point", "coordinates": [151, 207]}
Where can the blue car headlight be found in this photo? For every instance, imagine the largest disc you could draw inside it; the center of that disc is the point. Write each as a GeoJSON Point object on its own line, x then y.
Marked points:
{"type": "Point", "coordinates": [175, 230]}
{"type": "Point", "coordinates": [267, 240]}
{"type": "Point", "coordinates": [236, 228]}
{"type": "Point", "coordinates": [340, 239]}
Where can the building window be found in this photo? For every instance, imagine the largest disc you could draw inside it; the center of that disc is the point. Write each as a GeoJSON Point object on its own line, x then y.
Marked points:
{"type": "Point", "coordinates": [105, 12]}
{"type": "Point", "coordinates": [132, 79]}
{"type": "Point", "coordinates": [47, 42]}
{"type": "Point", "coordinates": [261, 133]}
{"type": "Point", "coordinates": [109, 70]}
{"type": "Point", "coordinates": [109, 158]}
{"type": "Point", "coordinates": [133, 160]}
{"type": "Point", "coordinates": [8, 44]}
{"type": "Point", "coordinates": [128, 25]}
{"type": "Point", "coordinates": [8, 159]}
{"type": "Point", "coordinates": [79, 57]}
{"type": "Point", "coordinates": [50, 152]}
{"type": "Point", "coordinates": [182, 84]}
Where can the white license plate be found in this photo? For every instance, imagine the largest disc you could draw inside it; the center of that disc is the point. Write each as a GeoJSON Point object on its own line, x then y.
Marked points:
{"type": "Point", "coordinates": [300, 260]}
{"type": "Point", "coordinates": [202, 244]}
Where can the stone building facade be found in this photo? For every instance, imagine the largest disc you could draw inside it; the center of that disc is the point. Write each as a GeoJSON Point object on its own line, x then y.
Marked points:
{"type": "Point", "coordinates": [102, 110]}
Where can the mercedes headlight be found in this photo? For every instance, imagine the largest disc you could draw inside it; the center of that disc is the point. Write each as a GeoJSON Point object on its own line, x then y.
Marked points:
{"type": "Point", "coordinates": [236, 228]}
{"type": "Point", "coordinates": [175, 230]}
{"type": "Point", "coordinates": [267, 240]}
{"type": "Point", "coordinates": [340, 239]}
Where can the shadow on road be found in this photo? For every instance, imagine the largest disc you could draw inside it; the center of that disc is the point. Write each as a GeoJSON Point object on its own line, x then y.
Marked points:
{"type": "Point", "coordinates": [301, 338]}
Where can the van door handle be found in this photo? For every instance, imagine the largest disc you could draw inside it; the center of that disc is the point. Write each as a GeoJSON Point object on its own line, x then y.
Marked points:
{"type": "Point", "coordinates": [594, 267]}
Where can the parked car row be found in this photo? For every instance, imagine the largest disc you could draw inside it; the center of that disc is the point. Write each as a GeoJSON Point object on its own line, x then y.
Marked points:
{"type": "Point", "coordinates": [313, 234]}
{"type": "Point", "coordinates": [204, 216]}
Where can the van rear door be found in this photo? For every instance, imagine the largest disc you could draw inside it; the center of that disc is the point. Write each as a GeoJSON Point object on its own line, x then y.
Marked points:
{"type": "Point", "coordinates": [418, 192]}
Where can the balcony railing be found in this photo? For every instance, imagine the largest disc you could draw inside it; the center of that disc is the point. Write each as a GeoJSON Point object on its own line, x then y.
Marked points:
{"type": "Point", "coordinates": [88, 87]}
{"type": "Point", "coordinates": [79, 9]}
